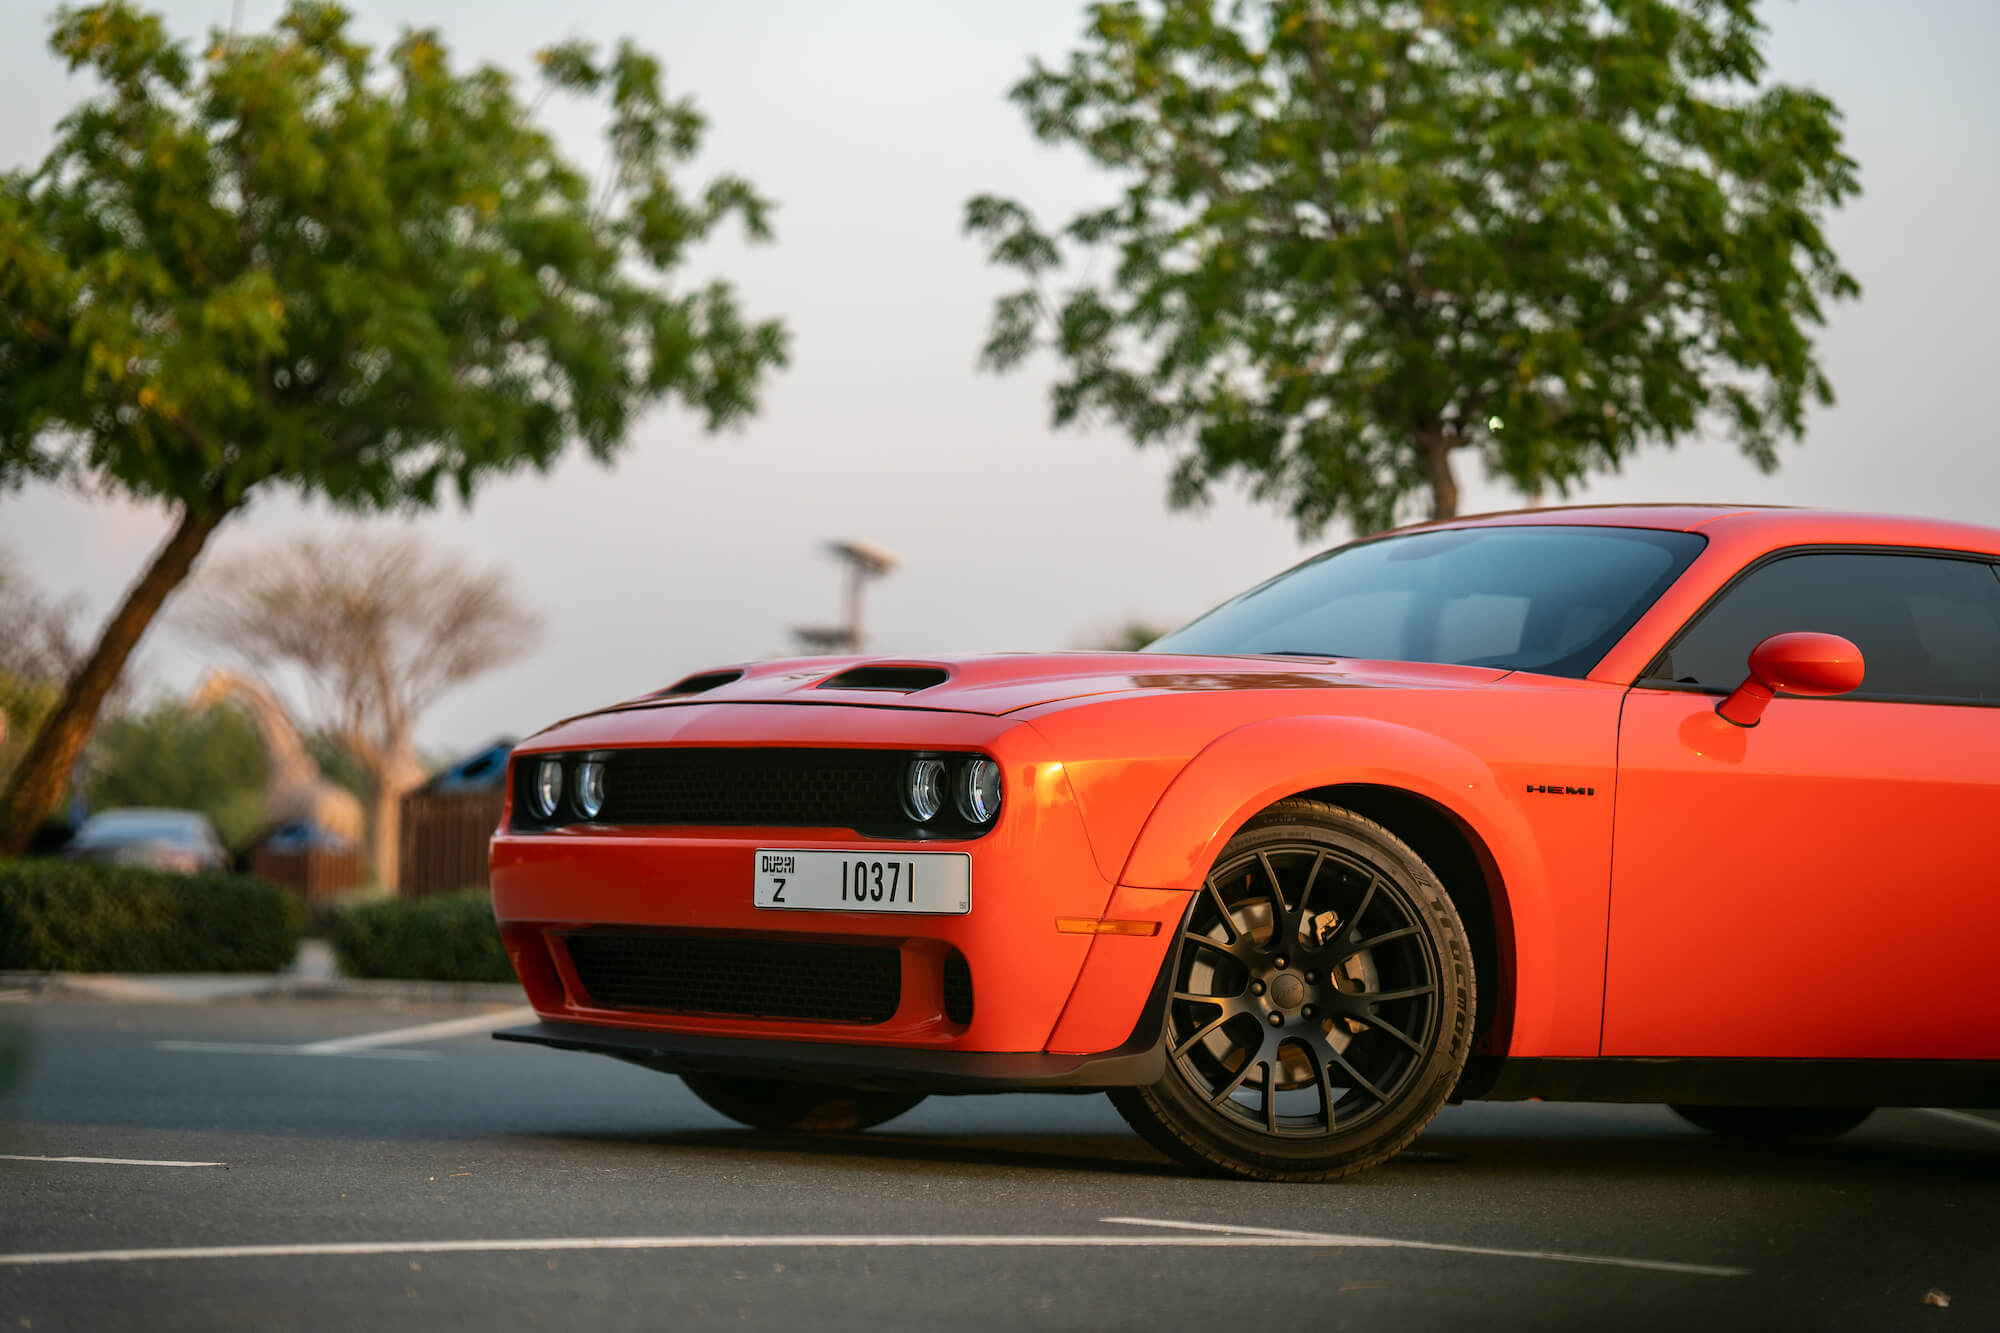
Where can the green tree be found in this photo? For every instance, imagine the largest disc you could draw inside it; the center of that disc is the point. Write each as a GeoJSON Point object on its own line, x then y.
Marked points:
{"type": "Point", "coordinates": [164, 755]}
{"type": "Point", "coordinates": [293, 262]}
{"type": "Point", "coordinates": [1357, 238]}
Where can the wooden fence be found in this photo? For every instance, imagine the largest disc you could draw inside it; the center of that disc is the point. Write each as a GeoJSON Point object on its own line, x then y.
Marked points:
{"type": "Point", "coordinates": [444, 838]}
{"type": "Point", "coordinates": [318, 874]}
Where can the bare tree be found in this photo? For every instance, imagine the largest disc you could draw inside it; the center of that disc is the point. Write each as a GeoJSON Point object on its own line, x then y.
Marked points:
{"type": "Point", "coordinates": [379, 626]}
{"type": "Point", "coordinates": [36, 639]}
{"type": "Point", "coordinates": [37, 653]}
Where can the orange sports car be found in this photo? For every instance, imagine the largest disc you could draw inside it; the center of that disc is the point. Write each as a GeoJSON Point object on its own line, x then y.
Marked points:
{"type": "Point", "coordinates": [1658, 804]}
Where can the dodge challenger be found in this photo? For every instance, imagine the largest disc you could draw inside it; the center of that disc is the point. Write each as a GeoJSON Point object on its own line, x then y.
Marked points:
{"type": "Point", "coordinates": [1689, 805]}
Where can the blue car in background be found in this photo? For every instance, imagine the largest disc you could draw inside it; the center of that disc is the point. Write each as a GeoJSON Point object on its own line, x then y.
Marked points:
{"type": "Point", "coordinates": [176, 840]}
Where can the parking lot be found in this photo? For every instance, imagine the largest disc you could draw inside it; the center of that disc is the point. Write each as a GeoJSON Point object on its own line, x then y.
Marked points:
{"type": "Point", "coordinates": [322, 1163]}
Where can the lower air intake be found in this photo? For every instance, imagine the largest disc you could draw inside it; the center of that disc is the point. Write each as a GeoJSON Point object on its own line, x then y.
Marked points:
{"type": "Point", "coordinates": [743, 978]}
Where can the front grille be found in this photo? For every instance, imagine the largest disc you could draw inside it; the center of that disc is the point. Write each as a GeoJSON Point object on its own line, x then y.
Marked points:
{"type": "Point", "coordinates": [957, 988]}
{"type": "Point", "coordinates": [771, 787]}
{"type": "Point", "coordinates": [748, 786]}
{"type": "Point", "coordinates": [749, 978]}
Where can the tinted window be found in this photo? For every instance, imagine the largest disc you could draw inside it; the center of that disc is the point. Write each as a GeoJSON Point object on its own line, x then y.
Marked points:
{"type": "Point", "coordinates": [1550, 599]}
{"type": "Point", "coordinates": [1926, 627]}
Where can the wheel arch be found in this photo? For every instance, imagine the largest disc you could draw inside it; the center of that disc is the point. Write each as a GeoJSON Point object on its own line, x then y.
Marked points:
{"type": "Point", "coordinates": [1435, 795]}
{"type": "Point", "coordinates": [1465, 866]}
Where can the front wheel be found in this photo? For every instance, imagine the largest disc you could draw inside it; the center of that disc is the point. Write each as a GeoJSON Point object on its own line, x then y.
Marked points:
{"type": "Point", "coordinates": [812, 1108]}
{"type": "Point", "coordinates": [1322, 1003]}
{"type": "Point", "coordinates": [1770, 1123]}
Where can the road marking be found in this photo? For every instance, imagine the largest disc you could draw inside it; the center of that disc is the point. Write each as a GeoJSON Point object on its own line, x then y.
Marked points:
{"type": "Point", "coordinates": [451, 1027]}
{"type": "Point", "coordinates": [554, 1244]}
{"type": "Point", "coordinates": [256, 1048]}
{"type": "Point", "coordinates": [1963, 1118]}
{"type": "Point", "coordinates": [7, 995]}
{"type": "Point", "coordinates": [368, 1045]}
{"type": "Point", "coordinates": [100, 1161]}
{"type": "Point", "coordinates": [1333, 1240]}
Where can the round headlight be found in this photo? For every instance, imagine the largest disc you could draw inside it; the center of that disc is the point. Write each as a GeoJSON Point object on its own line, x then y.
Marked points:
{"type": "Point", "coordinates": [979, 791]}
{"type": "Point", "coordinates": [546, 795]}
{"type": "Point", "coordinates": [590, 787]}
{"type": "Point", "coordinates": [923, 789]}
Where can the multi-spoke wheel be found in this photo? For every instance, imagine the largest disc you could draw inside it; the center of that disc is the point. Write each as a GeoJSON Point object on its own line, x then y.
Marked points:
{"type": "Point", "coordinates": [1322, 1003]}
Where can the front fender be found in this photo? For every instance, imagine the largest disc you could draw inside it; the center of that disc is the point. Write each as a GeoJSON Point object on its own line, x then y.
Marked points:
{"type": "Point", "coordinates": [1246, 770]}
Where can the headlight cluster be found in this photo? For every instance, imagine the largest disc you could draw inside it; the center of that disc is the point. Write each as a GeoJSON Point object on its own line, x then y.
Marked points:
{"type": "Point", "coordinates": [584, 777]}
{"type": "Point", "coordinates": [972, 785]}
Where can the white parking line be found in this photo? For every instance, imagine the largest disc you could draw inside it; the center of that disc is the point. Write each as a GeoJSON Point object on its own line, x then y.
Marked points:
{"type": "Point", "coordinates": [368, 1045]}
{"type": "Point", "coordinates": [1963, 1118]}
{"type": "Point", "coordinates": [100, 1161]}
{"type": "Point", "coordinates": [451, 1027]}
{"type": "Point", "coordinates": [259, 1048]}
{"type": "Point", "coordinates": [1333, 1240]}
{"type": "Point", "coordinates": [553, 1244]}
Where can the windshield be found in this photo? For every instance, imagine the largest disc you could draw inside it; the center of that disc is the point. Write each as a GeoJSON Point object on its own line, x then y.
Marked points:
{"type": "Point", "coordinates": [1545, 599]}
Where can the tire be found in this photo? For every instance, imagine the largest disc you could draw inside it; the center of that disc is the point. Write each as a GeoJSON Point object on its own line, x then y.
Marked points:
{"type": "Point", "coordinates": [1309, 912]}
{"type": "Point", "coordinates": [811, 1108]}
{"type": "Point", "coordinates": [1768, 1124]}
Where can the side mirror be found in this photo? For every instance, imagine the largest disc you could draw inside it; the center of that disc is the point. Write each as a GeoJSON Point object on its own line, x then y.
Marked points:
{"type": "Point", "coordinates": [1811, 664]}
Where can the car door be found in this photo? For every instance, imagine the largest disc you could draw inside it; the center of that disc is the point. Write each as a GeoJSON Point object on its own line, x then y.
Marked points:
{"type": "Point", "coordinates": [1825, 884]}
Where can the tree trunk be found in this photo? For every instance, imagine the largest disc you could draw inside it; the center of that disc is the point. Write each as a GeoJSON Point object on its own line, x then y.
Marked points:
{"type": "Point", "coordinates": [387, 831]}
{"type": "Point", "coordinates": [38, 783]}
{"type": "Point", "coordinates": [1435, 447]}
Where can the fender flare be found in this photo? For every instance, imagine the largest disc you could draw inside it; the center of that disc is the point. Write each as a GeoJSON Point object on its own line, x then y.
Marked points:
{"type": "Point", "coordinates": [1244, 771]}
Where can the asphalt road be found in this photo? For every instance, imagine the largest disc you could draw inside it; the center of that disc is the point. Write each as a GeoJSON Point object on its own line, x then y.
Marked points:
{"type": "Point", "coordinates": [445, 1181]}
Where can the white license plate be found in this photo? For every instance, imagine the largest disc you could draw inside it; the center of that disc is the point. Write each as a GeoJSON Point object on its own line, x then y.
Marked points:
{"type": "Point", "coordinates": [937, 883]}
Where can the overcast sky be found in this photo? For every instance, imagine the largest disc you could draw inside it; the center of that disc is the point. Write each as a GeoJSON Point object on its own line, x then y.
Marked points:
{"type": "Point", "coordinates": [870, 123]}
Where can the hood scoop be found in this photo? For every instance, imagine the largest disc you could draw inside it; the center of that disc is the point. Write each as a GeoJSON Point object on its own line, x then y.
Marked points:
{"type": "Point", "coordinates": [700, 683]}
{"type": "Point", "coordinates": [896, 679]}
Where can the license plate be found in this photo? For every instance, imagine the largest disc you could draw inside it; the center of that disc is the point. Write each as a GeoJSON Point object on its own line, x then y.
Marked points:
{"type": "Point", "coordinates": [934, 883]}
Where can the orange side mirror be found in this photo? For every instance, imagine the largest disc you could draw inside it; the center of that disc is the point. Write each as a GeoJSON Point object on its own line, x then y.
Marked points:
{"type": "Point", "coordinates": [1801, 663]}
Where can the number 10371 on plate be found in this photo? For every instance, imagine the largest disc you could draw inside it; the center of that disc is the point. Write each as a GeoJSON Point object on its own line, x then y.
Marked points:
{"type": "Point", "coordinates": [936, 883]}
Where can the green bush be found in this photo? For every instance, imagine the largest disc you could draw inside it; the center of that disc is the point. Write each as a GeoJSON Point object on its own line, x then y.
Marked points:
{"type": "Point", "coordinates": [73, 916]}
{"type": "Point", "coordinates": [449, 937]}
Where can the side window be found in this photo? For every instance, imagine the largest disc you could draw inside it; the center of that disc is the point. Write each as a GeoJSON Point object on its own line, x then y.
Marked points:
{"type": "Point", "coordinates": [1927, 627]}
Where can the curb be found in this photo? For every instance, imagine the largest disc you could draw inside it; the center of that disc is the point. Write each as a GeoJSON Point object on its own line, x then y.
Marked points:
{"type": "Point", "coordinates": [209, 988]}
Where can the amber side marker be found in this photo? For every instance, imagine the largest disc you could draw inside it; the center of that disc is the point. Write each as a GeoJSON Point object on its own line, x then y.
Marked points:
{"type": "Point", "coordinates": [1084, 925]}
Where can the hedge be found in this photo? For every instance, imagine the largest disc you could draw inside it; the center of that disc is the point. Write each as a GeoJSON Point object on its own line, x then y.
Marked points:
{"type": "Point", "coordinates": [447, 937]}
{"type": "Point", "coordinates": [75, 916]}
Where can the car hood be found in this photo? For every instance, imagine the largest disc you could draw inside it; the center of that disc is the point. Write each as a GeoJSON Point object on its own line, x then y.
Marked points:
{"type": "Point", "coordinates": [1002, 683]}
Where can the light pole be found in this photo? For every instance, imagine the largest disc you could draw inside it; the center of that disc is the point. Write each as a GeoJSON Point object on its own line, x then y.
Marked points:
{"type": "Point", "coordinates": [864, 561]}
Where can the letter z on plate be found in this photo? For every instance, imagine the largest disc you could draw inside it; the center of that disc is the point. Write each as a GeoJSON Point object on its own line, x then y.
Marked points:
{"type": "Point", "coordinates": [937, 883]}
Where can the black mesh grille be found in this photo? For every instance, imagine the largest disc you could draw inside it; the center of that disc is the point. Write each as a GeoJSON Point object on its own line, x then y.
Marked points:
{"type": "Point", "coordinates": [799, 788]}
{"type": "Point", "coordinates": [704, 974]}
{"type": "Point", "coordinates": [957, 988]}
{"type": "Point", "coordinates": [752, 786]}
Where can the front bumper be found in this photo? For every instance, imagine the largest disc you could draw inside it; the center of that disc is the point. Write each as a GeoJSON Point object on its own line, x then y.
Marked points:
{"type": "Point", "coordinates": [1042, 997]}
{"type": "Point", "coordinates": [1139, 1061]}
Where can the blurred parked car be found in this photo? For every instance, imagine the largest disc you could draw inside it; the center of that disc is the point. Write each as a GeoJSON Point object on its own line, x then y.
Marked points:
{"type": "Point", "coordinates": [178, 840]}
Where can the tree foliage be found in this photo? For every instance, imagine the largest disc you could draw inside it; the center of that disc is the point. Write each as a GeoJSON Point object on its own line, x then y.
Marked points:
{"type": "Point", "coordinates": [165, 755]}
{"type": "Point", "coordinates": [1358, 237]}
{"type": "Point", "coordinates": [290, 260]}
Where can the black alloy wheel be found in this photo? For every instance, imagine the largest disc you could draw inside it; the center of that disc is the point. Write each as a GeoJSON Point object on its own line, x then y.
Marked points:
{"type": "Point", "coordinates": [810, 1108]}
{"type": "Point", "coordinates": [1322, 1003]}
{"type": "Point", "coordinates": [1769, 1124]}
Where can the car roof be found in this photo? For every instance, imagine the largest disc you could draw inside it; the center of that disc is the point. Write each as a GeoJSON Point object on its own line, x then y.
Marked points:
{"type": "Point", "coordinates": [149, 820]}
{"type": "Point", "coordinates": [1775, 525]}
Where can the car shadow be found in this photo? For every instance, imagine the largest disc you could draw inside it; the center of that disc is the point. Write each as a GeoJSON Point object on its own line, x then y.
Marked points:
{"type": "Point", "coordinates": [1115, 1154]}
{"type": "Point", "coordinates": [1466, 1156]}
